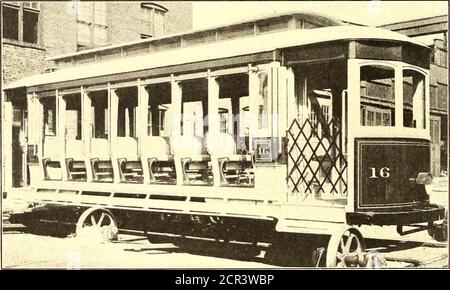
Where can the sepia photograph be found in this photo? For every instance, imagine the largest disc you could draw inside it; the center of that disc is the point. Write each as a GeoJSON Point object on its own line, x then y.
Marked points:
{"type": "Point", "coordinates": [224, 135]}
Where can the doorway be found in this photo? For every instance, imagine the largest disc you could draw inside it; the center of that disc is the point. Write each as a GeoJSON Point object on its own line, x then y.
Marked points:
{"type": "Point", "coordinates": [19, 143]}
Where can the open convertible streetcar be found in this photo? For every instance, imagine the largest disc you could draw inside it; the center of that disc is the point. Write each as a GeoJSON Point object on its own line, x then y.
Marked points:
{"type": "Point", "coordinates": [296, 124]}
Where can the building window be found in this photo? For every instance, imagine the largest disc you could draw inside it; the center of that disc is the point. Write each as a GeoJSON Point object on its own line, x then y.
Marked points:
{"type": "Point", "coordinates": [99, 114]}
{"type": "Point", "coordinates": [162, 118]}
{"type": "Point", "coordinates": [10, 22]}
{"type": "Point", "coordinates": [223, 120]}
{"type": "Point", "coordinates": [159, 21]}
{"type": "Point", "coordinates": [21, 13]}
{"type": "Point", "coordinates": [377, 90]}
{"type": "Point", "coordinates": [49, 108]}
{"type": "Point", "coordinates": [155, 16]}
{"type": "Point", "coordinates": [30, 25]}
{"type": "Point", "coordinates": [320, 119]}
{"type": "Point", "coordinates": [160, 123]}
{"type": "Point", "coordinates": [263, 106]}
{"type": "Point", "coordinates": [372, 116]}
{"type": "Point", "coordinates": [72, 116]}
{"type": "Point", "coordinates": [92, 24]}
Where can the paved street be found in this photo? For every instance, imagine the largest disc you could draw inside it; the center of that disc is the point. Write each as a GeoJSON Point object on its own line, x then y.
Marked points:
{"type": "Point", "coordinates": [25, 250]}
{"type": "Point", "coordinates": [129, 252]}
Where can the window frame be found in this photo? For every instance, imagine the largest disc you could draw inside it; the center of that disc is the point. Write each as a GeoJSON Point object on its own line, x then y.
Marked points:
{"type": "Point", "coordinates": [148, 10]}
{"type": "Point", "coordinates": [45, 123]}
{"type": "Point", "coordinates": [375, 110]}
{"type": "Point", "coordinates": [425, 101]}
{"type": "Point", "coordinates": [17, 9]}
{"type": "Point", "coordinates": [21, 9]}
{"type": "Point", "coordinates": [354, 97]}
{"type": "Point", "coordinates": [36, 13]}
{"type": "Point", "coordinates": [93, 25]}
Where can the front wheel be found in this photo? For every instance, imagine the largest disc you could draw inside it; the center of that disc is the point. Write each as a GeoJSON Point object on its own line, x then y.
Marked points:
{"type": "Point", "coordinates": [439, 232]}
{"type": "Point", "coordinates": [346, 248]}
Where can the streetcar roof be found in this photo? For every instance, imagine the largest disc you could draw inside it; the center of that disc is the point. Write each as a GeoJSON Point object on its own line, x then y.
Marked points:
{"type": "Point", "coordinates": [218, 50]}
{"type": "Point", "coordinates": [314, 17]}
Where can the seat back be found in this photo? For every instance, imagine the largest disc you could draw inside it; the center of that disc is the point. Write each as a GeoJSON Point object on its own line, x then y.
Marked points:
{"type": "Point", "coordinates": [127, 148]}
{"type": "Point", "coordinates": [185, 146]}
{"type": "Point", "coordinates": [155, 147]}
{"type": "Point", "coordinates": [75, 149]}
{"type": "Point", "coordinates": [52, 147]}
{"type": "Point", "coordinates": [99, 148]}
{"type": "Point", "coordinates": [221, 145]}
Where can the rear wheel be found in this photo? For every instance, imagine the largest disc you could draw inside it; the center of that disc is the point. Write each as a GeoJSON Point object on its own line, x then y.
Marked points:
{"type": "Point", "coordinates": [97, 223]}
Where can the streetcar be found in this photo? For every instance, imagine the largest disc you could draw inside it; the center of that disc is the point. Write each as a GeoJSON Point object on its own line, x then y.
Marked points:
{"type": "Point", "coordinates": [292, 125]}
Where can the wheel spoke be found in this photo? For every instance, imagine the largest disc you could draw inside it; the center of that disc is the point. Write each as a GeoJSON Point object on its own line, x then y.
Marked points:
{"type": "Point", "coordinates": [358, 247]}
{"type": "Point", "coordinates": [349, 243]}
{"type": "Point", "coordinates": [341, 264]}
{"type": "Point", "coordinates": [102, 217]}
{"type": "Point", "coordinates": [94, 223]}
{"type": "Point", "coordinates": [346, 244]}
{"type": "Point", "coordinates": [342, 244]}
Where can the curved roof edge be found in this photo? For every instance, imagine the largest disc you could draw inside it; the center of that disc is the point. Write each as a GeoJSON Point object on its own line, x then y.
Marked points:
{"type": "Point", "coordinates": [230, 48]}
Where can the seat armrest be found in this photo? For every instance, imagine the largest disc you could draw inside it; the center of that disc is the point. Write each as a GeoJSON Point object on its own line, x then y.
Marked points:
{"type": "Point", "coordinates": [150, 162]}
{"type": "Point", "coordinates": [222, 161]}
{"type": "Point", "coordinates": [184, 162]}
{"type": "Point", "coordinates": [69, 162]}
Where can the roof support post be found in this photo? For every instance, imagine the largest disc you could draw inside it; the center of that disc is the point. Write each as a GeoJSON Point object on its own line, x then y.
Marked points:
{"type": "Point", "coordinates": [176, 101]}
{"type": "Point", "coordinates": [113, 101]}
{"type": "Point", "coordinates": [86, 130]}
{"type": "Point", "coordinates": [34, 132]}
{"type": "Point", "coordinates": [142, 116]}
{"type": "Point", "coordinates": [253, 92]}
{"type": "Point", "coordinates": [398, 97]}
{"type": "Point", "coordinates": [61, 131]}
{"type": "Point", "coordinates": [354, 118]}
{"type": "Point", "coordinates": [213, 123]}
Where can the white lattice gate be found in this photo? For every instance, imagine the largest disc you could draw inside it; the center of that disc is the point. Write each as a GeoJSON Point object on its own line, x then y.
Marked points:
{"type": "Point", "coordinates": [316, 167]}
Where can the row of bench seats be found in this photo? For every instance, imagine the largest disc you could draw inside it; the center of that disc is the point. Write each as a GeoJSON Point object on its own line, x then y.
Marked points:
{"type": "Point", "coordinates": [195, 155]}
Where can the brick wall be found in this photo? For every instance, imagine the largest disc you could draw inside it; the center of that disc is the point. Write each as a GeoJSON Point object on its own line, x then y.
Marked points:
{"type": "Point", "coordinates": [438, 77]}
{"type": "Point", "coordinates": [127, 22]}
{"type": "Point", "coordinates": [19, 62]}
{"type": "Point", "coordinates": [58, 33]}
{"type": "Point", "coordinates": [179, 17]}
{"type": "Point", "coordinates": [58, 26]}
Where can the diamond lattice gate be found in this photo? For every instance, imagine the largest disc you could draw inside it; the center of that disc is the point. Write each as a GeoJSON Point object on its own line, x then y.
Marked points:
{"type": "Point", "coordinates": [316, 167]}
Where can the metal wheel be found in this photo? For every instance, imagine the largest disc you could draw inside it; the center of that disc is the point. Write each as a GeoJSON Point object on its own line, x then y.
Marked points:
{"type": "Point", "coordinates": [346, 248]}
{"type": "Point", "coordinates": [97, 222]}
{"type": "Point", "coordinates": [438, 231]}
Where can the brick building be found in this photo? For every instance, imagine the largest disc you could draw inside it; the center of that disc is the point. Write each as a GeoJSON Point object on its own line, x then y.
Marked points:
{"type": "Point", "coordinates": [433, 29]}
{"type": "Point", "coordinates": [35, 31]}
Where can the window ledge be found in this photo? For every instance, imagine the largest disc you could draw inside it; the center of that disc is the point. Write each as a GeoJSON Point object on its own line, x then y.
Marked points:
{"type": "Point", "coordinates": [22, 44]}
